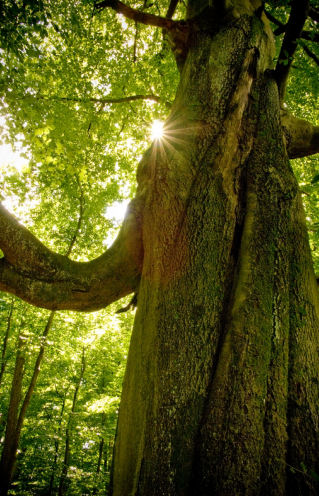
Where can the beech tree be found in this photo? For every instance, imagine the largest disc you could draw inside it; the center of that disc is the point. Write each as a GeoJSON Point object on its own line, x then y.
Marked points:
{"type": "Point", "coordinates": [221, 390]}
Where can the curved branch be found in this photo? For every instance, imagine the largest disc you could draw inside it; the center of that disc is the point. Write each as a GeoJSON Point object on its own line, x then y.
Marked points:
{"type": "Point", "coordinates": [138, 16]}
{"type": "Point", "coordinates": [302, 137]}
{"type": "Point", "coordinates": [49, 280]}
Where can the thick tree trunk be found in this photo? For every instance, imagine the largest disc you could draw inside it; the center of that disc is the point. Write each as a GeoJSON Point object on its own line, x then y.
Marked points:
{"type": "Point", "coordinates": [221, 390]}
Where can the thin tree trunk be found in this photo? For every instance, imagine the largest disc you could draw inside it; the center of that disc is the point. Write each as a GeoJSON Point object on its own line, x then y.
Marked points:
{"type": "Point", "coordinates": [56, 448]}
{"type": "Point", "coordinates": [13, 431]}
{"type": "Point", "coordinates": [69, 430]}
{"type": "Point", "coordinates": [99, 464]}
{"type": "Point", "coordinates": [5, 342]}
{"type": "Point", "coordinates": [101, 451]}
{"type": "Point", "coordinates": [8, 457]}
{"type": "Point", "coordinates": [35, 375]}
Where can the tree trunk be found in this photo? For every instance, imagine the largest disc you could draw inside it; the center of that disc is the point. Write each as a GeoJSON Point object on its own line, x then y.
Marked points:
{"type": "Point", "coordinates": [69, 431]}
{"type": "Point", "coordinates": [5, 342]}
{"type": "Point", "coordinates": [13, 431]}
{"type": "Point", "coordinates": [220, 394]}
{"type": "Point", "coordinates": [56, 447]}
{"type": "Point", "coordinates": [10, 445]}
{"type": "Point", "coordinates": [101, 446]}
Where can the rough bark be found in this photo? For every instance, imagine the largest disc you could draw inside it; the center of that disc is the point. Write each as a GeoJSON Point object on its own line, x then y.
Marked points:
{"type": "Point", "coordinates": [220, 394]}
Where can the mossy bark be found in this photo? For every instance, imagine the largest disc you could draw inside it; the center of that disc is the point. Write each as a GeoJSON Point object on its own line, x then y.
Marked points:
{"type": "Point", "coordinates": [221, 390]}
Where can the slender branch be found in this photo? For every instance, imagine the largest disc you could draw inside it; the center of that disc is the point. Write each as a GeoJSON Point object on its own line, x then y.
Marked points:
{"type": "Point", "coordinates": [309, 52]}
{"type": "Point", "coordinates": [49, 280]}
{"type": "Point", "coordinates": [302, 138]}
{"type": "Point", "coordinates": [123, 99]}
{"type": "Point", "coordinates": [298, 16]}
{"type": "Point", "coordinates": [310, 36]}
{"type": "Point", "coordinates": [79, 223]}
{"type": "Point", "coordinates": [138, 16]}
{"type": "Point", "coordinates": [314, 14]}
{"type": "Point", "coordinates": [135, 43]}
{"type": "Point", "coordinates": [282, 28]}
{"type": "Point", "coordinates": [104, 101]}
{"type": "Point", "coordinates": [275, 21]}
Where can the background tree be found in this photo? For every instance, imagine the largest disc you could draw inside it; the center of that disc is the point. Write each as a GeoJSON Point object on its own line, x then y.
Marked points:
{"type": "Point", "coordinates": [221, 388]}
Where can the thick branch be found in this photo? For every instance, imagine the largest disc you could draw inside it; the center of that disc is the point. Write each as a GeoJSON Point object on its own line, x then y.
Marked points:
{"type": "Point", "coordinates": [302, 138]}
{"type": "Point", "coordinates": [46, 279]}
{"type": "Point", "coordinates": [298, 16]}
{"type": "Point", "coordinates": [137, 16]}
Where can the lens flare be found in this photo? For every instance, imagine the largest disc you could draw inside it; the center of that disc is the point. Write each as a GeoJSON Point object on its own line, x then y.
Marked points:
{"type": "Point", "coordinates": [157, 131]}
